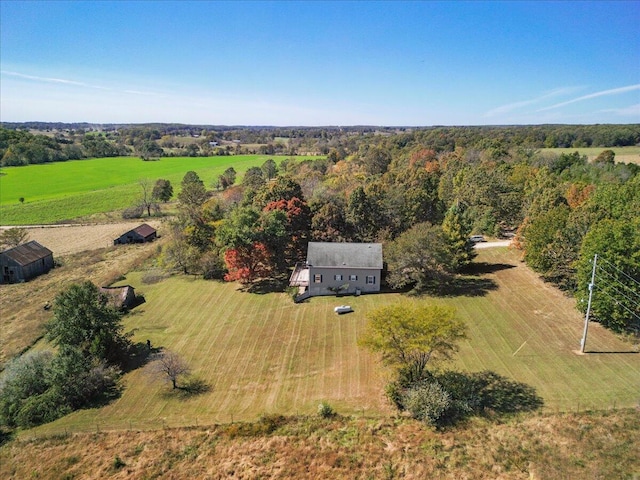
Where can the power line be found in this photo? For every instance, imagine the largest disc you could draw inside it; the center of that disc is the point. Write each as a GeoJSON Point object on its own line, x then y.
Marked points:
{"type": "Point", "coordinates": [621, 304]}
{"type": "Point", "coordinates": [616, 279]}
{"type": "Point", "coordinates": [635, 302]}
{"type": "Point", "coordinates": [621, 271]}
{"type": "Point", "coordinates": [615, 283]}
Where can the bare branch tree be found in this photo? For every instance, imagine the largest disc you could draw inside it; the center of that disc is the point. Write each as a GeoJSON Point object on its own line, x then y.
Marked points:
{"type": "Point", "coordinates": [12, 237]}
{"type": "Point", "coordinates": [147, 200]}
{"type": "Point", "coordinates": [170, 366]}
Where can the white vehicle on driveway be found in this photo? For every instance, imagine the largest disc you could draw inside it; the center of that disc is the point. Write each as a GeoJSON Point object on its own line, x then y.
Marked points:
{"type": "Point", "coordinates": [476, 239]}
{"type": "Point", "coordinates": [343, 309]}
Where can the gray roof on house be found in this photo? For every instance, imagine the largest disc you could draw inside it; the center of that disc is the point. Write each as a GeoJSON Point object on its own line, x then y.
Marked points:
{"type": "Point", "coordinates": [353, 255]}
{"type": "Point", "coordinates": [27, 253]}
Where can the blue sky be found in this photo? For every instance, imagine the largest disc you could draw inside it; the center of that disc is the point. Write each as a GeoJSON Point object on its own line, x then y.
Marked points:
{"type": "Point", "coordinates": [320, 63]}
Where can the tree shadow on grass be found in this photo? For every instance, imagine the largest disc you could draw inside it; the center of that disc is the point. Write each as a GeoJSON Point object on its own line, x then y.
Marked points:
{"type": "Point", "coordinates": [467, 287]}
{"type": "Point", "coordinates": [615, 352]}
{"type": "Point", "coordinates": [190, 387]}
{"type": "Point", "coordinates": [268, 285]}
{"type": "Point", "coordinates": [139, 355]}
{"type": "Point", "coordinates": [484, 268]}
{"type": "Point", "coordinates": [471, 283]}
{"type": "Point", "coordinates": [461, 395]}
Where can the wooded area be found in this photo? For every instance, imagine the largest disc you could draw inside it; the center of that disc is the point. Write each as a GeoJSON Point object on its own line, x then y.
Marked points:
{"type": "Point", "coordinates": [423, 203]}
{"type": "Point", "coordinates": [420, 191]}
{"type": "Point", "coordinates": [39, 142]}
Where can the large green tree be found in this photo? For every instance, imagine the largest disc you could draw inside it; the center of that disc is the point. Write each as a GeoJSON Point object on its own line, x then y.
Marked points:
{"type": "Point", "coordinates": [24, 378]}
{"type": "Point", "coordinates": [253, 242]}
{"type": "Point", "coordinates": [616, 297]}
{"type": "Point", "coordinates": [148, 149]}
{"type": "Point", "coordinates": [84, 320]}
{"type": "Point", "coordinates": [410, 334]}
{"type": "Point", "coordinates": [421, 258]}
{"type": "Point", "coordinates": [542, 237]}
{"type": "Point", "coordinates": [362, 215]}
{"type": "Point", "coordinates": [253, 178]}
{"type": "Point", "coordinates": [193, 193]}
{"type": "Point", "coordinates": [270, 169]}
{"type": "Point", "coordinates": [162, 190]}
{"type": "Point", "coordinates": [228, 178]}
{"type": "Point", "coordinates": [457, 231]}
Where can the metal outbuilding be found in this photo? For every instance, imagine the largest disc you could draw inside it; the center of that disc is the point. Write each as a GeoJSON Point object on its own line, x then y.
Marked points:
{"type": "Point", "coordinates": [141, 234]}
{"type": "Point", "coordinates": [24, 262]}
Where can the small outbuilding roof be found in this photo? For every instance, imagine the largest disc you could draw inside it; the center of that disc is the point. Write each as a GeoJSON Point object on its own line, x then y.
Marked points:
{"type": "Point", "coordinates": [27, 253]}
{"type": "Point", "coordinates": [352, 255]}
{"type": "Point", "coordinates": [119, 295]}
{"type": "Point", "coordinates": [145, 230]}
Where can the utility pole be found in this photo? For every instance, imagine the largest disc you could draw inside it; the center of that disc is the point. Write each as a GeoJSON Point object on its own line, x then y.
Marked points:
{"type": "Point", "coordinates": [586, 317]}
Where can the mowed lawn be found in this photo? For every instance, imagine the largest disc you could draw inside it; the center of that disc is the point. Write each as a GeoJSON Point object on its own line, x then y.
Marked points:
{"type": "Point", "coordinates": [265, 354]}
{"type": "Point", "coordinates": [59, 191]}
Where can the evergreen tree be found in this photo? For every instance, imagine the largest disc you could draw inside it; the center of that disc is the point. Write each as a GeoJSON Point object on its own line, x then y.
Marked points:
{"type": "Point", "coordinates": [457, 233]}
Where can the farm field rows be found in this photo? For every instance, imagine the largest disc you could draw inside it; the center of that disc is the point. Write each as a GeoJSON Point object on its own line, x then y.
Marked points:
{"type": "Point", "coordinates": [265, 354]}
{"type": "Point", "coordinates": [60, 191]}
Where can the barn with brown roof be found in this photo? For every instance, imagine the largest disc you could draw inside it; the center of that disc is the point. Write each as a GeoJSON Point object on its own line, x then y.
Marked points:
{"type": "Point", "coordinates": [143, 233]}
{"type": "Point", "coordinates": [24, 262]}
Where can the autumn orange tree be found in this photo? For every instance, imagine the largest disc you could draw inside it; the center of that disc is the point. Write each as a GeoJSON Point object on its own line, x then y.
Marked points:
{"type": "Point", "coordinates": [245, 264]}
{"type": "Point", "coordinates": [250, 241]}
{"type": "Point", "coordinates": [298, 227]}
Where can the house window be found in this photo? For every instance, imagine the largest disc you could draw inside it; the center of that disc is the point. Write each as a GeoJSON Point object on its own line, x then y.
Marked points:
{"type": "Point", "coordinates": [317, 278]}
{"type": "Point", "coordinates": [371, 280]}
{"type": "Point", "coordinates": [353, 278]}
{"type": "Point", "coordinates": [337, 277]}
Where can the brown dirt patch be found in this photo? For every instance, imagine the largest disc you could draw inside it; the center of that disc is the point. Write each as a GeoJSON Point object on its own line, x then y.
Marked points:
{"type": "Point", "coordinates": [69, 239]}
{"type": "Point", "coordinates": [83, 253]}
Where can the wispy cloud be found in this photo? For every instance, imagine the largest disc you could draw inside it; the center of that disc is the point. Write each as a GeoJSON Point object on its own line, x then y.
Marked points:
{"type": "Point", "coordinates": [613, 91]}
{"type": "Point", "coordinates": [140, 92]}
{"type": "Point", "coordinates": [74, 83]}
{"type": "Point", "coordinates": [524, 103]}
{"type": "Point", "coordinates": [63, 81]}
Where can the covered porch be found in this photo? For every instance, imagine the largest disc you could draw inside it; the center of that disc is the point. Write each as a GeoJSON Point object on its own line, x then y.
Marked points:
{"type": "Point", "coordinates": [300, 277]}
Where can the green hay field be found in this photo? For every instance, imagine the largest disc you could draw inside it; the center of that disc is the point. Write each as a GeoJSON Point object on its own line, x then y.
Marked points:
{"type": "Point", "coordinates": [60, 191]}
{"type": "Point", "coordinates": [265, 354]}
{"type": "Point", "coordinates": [623, 154]}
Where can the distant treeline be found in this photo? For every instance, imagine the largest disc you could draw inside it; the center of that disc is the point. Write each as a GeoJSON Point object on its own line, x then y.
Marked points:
{"type": "Point", "coordinates": [18, 147]}
{"type": "Point", "coordinates": [23, 144]}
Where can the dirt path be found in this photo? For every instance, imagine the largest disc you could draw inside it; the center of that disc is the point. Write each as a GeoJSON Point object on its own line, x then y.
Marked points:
{"type": "Point", "coordinates": [498, 243]}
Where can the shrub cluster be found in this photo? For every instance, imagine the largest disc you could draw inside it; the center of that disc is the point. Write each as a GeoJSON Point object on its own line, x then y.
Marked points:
{"type": "Point", "coordinates": [325, 410]}
{"type": "Point", "coordinates": [91, 347]}
{"type": "Point", "coordinates": [448, 397]}
{"type": "Point", "coordinates": [39, 388]}
{"type": "Point", "coordinates": [266, 425]}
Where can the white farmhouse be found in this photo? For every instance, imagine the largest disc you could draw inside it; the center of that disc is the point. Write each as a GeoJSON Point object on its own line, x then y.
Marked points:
{"type": "Point", "coordinates": [344, 268]}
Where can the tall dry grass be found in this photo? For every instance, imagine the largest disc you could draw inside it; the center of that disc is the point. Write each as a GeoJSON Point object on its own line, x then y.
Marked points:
{"type": "Point", "coordinates": [585, 445]}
